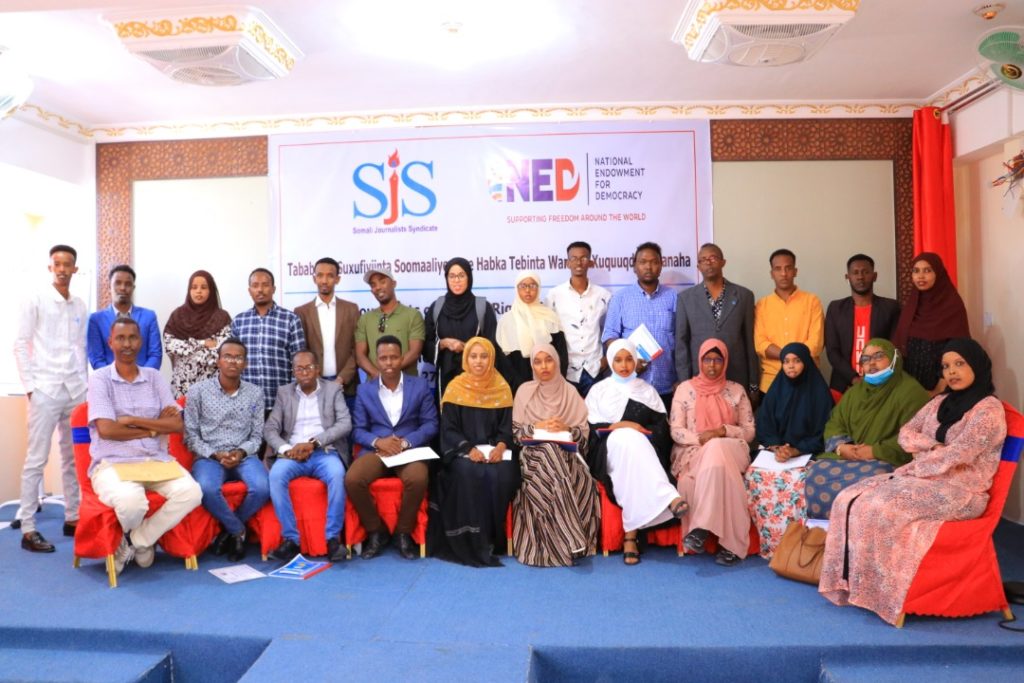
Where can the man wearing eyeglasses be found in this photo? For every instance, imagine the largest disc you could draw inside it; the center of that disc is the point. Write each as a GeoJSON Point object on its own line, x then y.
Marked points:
{"type": "Point", "coordinates": [581, 306]}
{"type": "Point", "coordinates": [719, 309]}
{"type": "Point", "coordinates": [329, 323]}
{"type": "Point", "coordinates": [223, 429]}
{"type": "Point", "coordinates": [307, 430]}
{"type": "Point", "coordinates": [390, 318]}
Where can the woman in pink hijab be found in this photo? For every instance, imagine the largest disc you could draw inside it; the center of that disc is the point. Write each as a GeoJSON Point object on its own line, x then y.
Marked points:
{"type": "Point", "coordinates": [712, 426]}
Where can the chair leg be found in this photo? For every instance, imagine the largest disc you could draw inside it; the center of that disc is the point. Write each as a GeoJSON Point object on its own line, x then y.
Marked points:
{"type": "Point", "coordinates": [76, 562]}
{"type": "Point", "coordinates": [423, 550]}
{"type": "Point", "coordinates": [192, 562]}
{"type": "Point", "coordinates": [263, 556]}
{"type": "Point", "coordinates": [348, 551]}
{"type": "Point", "coordinates": [508, 545]}
{"type": "Point", "coordinates": [900, 619]}
{"type": "Point", "coordinates": [1008, 614]}
{"type": "Point", "coordinates": [111, 571]}
{"type": "Point", "coordinates": [605, 551]}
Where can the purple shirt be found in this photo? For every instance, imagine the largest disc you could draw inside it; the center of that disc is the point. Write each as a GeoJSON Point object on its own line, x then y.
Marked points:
{"type": "Point", "coordinates": [110, 396]}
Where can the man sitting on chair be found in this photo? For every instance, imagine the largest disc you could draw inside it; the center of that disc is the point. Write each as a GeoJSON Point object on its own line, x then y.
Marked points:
{"type": "Point", "coordinates": [307, 430]}
{"type": "Point", "coordinates": [393, 413]}
{"type": "Point", "coordinates": [129, 406]}
{"type": "Point", "coordinates": [223, 429]}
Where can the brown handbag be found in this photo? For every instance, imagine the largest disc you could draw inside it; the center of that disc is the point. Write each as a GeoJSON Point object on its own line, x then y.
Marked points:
{"type": "Point", "coordinates": [799, 554]}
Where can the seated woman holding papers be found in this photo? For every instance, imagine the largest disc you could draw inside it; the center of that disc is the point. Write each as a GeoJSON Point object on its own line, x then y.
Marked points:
{"type": "Point", "coordinates": [557, 510]}
{"type": "Point", "coordinates": [629, 453]}
{"type": "Point", "coordinates": [882, 527]}
{"type": "Point", "coordinates": [790, 423]}
{"type": "Point", "coordinates": [478, 476]}
{"type": "Point", "coordinates": [861, 435]}
{"type": "Point", "coordinates": [712, 425]}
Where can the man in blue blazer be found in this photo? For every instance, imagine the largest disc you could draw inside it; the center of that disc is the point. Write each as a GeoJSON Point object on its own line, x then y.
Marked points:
{"type": "Point", "coordinates": [122, 288]}
{"type": "Point", "coordinates": [393, 413]}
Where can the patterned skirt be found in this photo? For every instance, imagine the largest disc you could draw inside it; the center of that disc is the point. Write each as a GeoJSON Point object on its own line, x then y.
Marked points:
{"type": "Point", "coordinates": [775, 499]}
{"type": "Point", "coordinates": [826, 478]}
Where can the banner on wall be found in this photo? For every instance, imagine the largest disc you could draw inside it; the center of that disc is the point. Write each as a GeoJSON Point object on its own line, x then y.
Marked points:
{"type": "Point", "coordinates": [507, 198]}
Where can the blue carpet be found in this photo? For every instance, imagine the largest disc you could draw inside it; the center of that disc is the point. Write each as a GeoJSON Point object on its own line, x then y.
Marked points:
{"type": "Point", "coordinates": [427, 620]}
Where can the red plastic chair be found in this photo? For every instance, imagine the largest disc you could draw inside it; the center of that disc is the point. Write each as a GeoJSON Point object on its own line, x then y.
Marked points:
{"type": "Point", "coordinates": [98, 533]}
{"type": "Point", "coordinates": [612, 532]}
{"type": "Point", "coordinates": [959, 577]}
{"type": "Point", "coordinates": [309, 503]}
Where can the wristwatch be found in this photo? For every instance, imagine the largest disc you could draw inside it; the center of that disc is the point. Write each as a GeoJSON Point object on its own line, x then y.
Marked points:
{"type": "Point", "coordinates": [406, 445]}
{"type": "Point", "coordinates": [316, 444]}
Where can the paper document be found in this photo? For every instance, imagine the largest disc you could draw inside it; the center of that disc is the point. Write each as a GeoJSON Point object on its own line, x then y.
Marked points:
{"type": "Point", "coordinates": [299, 568]}
{"type": "Point", "coordinates": [647, 347]}
{"type": "Point", "coordinates": [486, 450]}
{"type": "Point", "coordinates": [816, 524]}
{"type": "Point", "coordinates": [765, 460]}
{"type": "Point", "coordinates": [237, 573]}
{"type": "Point", "coordinates": [545, 435]}
{"type": "Point", "coordinates": [148, 470]}
{"type": "Point", "coordinates": [411, 455]}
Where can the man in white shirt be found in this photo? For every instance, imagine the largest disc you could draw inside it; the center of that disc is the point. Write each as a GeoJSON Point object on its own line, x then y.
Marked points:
{"type": "Point", "coordinates": [581, 306]}
{"type": "Point", "coordinates": [49, 349]}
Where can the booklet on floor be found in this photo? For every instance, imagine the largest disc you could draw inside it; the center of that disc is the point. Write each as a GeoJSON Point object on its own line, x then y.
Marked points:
{"type": "Point", "coordinates": [237, 573]}
{"type": "Point", "coordinates": [300, 568]}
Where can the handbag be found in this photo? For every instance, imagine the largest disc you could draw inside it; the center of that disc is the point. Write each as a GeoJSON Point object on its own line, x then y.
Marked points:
{"type": "Point", "coordinates": [800, 553]}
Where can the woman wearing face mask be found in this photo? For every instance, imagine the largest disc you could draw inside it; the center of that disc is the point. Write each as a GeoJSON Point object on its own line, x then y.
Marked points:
{"type": "Point", "coordinates": [861, 436]}
{"type": "Point", "coordinates": [790, 422]}
{"type": "Point", "coordinates": [881, 528]}
{"type": "Point", "coordinates": [933, 314]}
{"type": "Point", "coordinates": [194, 332]}
{"type": "Point", "coordinates": [630, 451]}
{"type": "Point", "coordinates": [712, 426]}
{"type": "Point", "coordinates": [529, 322]}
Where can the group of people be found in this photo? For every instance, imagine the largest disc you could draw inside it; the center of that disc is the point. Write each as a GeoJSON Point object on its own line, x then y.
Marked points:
{"type": "Point", "coordinates": [532, 409]}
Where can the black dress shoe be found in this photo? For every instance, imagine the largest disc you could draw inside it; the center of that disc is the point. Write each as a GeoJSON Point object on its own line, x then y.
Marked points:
{"type": "Point", "coordinates": [286, 551]}
{"type": "Point", "coordinates": [220, 543]}
{"type": "Point", "coordinates": [35, 543]}
{"type": "Point", "coordinates": [69, 528]}
{"type": "Point", "coordinates": [407, 548]}
{"type": "Point", "coordinates": [336, 552]}
{"type": "Point", "coordinates": [16, 524]}
{"type": "Point", "coordinates": [235, 547]}
{"type": "Point", "coordinates": [374, 543]}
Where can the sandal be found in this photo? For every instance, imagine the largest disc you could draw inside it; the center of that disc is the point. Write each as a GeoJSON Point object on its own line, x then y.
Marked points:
{"type": "Point", "coordinates": [726, 558]}
{"type": "Point", "coordinates": [631, 557]}
{"type": "Point", "coordinates": [679, 508]}
{"type": "Point", "coordinates": [694, 541]}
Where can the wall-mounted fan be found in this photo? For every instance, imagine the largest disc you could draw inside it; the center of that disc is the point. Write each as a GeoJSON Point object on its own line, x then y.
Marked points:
{"type": "Point", "coordinates": [1002, 53]}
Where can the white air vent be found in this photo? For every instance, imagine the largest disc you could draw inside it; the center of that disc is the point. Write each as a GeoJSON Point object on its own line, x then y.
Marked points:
{"type": "Point", "coordinates": [15, 84]}
{"type": "Point", "coordinates": [221, 45]}
{"type": "Point", "coordinates": [713, 31]}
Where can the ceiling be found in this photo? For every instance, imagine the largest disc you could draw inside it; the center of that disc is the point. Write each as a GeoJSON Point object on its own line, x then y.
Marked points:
{"type": "Point", "coordinates": [376, 56]}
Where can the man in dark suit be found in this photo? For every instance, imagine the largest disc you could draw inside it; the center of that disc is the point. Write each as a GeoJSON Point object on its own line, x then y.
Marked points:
{"type": "Point", "coordinates": [307, 430]}
{"type": "Point", "coordinates": [393, 413]}
{"type": "Point", "coordinates": [329, 323]}
{"type": "Point", "coordinates": [851, 322]}
{"type": "Point", "coordinates": [719, 309]}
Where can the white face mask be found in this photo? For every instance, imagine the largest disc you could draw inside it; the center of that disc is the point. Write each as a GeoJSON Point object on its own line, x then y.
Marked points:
{"type": "Point", "coordinates": [882, 376]}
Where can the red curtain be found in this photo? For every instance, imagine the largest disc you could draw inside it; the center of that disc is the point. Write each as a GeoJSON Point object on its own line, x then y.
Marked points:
{"type": "Point", "coordinates": [934, 211]}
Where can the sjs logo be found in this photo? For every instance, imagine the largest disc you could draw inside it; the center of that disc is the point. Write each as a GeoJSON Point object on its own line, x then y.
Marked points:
{"type": "Point", "coordinates": [405, 193]}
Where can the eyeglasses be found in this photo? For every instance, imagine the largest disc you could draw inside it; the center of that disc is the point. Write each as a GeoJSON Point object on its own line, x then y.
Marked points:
{"type": "Point", "coordinates": [708, 259]}
{"type": "Point", "coordinates": [457, 276]}
{"type": "Point", "coordinates": [526, 286]}
{"type": "Point", "coordinates": [234, 360]}
{"type": "Point", "coordinates": [304, 368]}
{"type": "Point", "coordinates": [879, 355]}
{"type": "Point", "coordinates": [578, 259]}
{"type": "Point", "coordinates": [712, 360]}
{"type": "Point", "coordinates": [382, 323]}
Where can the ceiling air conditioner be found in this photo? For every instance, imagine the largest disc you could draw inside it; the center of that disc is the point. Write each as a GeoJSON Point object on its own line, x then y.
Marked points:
{"type": "Point", "coordinates": [15, 84]}
{"type": "Point", "coordinates": [759, 33]}
{"type": "Point", "coordinates": [214, 45]}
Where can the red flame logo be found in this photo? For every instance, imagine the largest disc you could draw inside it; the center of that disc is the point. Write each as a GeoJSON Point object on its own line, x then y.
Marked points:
{"type": "Point", "coordinates": [393, 160]}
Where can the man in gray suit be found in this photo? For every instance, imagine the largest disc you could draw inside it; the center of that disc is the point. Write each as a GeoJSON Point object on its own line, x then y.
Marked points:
{"type": "Point", "coordinates": [307, 430]}
{"type": "Point", "coordinates": [717, 308]}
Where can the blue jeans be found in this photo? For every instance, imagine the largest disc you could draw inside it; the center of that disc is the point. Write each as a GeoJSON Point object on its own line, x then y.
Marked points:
{"type": "Point", "coordinates": [211, 475]}
{"type": "Point", "coordinates": [328, 468]}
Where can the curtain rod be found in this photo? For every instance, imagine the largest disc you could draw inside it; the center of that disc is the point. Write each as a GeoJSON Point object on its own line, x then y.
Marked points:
{"type": "Point", "coordinates": [968, 97]}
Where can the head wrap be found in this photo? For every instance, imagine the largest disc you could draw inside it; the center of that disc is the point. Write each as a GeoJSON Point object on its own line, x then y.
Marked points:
{"type": "Point", "coordinates": [712, 410]}
{"type": "Point", "coordinates": [537, 400]}
{"type": "Point", "coordinates": [795, 410]}
{"type": "Point", "coordinates": [935, 314]}
{"type": "Point", "coordinates": [198, 321]}
{"type": "Point", "coordinates": [958, 402]}
{"type": "Point", "coordinates": [606, 400]}
{"type": "Point", "coordinates": [489, 390]}
{"type": "Point", "coordinates": [526, 324]}
{"type": "Point", "coordinates": [458, 306]}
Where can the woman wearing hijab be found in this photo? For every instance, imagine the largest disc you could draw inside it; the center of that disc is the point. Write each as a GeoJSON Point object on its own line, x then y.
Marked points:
{"type": "Point", "coordinates": [712, 426]}
{"type": "Point", "coordinates": [453, 319]}
{"type": "Point", "coordinates": [790, 422]}
{"type": "Point", "coordinates": [629, 453]}
{"type": "Point", "coordinates": [933, 314]}
{"type": "Point", "coordinates": [529, 322]}
{"type": "Point", "coordinates": [194, 332]}
{"type": "Point", "coordinates": [478, 477]}
{"type": "Point", "coordinates": [861, 436]}
{"type": "Point", "coordinates": [556, 513]}
{"type": "Point", "coordinates": [881, 528]}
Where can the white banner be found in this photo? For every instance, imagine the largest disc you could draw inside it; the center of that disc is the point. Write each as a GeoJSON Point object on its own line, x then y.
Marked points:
{"type": "Point", "coordinates": [507, 198]}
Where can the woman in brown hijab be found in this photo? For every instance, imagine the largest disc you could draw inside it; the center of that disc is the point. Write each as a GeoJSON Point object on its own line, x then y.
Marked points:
{"type": "Point", "coordinates": [557, 510]}
{"type": "Point", "coordinates": [194, 332]}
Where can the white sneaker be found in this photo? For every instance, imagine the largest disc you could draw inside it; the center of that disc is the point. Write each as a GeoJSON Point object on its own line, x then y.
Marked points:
{"type": "Point", "coordinates": [144, 555]}
{"type": "Point", "coordinates": [123, 555]}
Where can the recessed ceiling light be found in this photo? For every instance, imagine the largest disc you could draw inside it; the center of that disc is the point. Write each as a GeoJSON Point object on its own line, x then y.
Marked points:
{"type": "Point", "coordinates": [989, 10]}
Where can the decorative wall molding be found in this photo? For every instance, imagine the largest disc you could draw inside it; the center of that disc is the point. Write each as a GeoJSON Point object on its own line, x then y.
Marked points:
{"type": "Point", "coordinates": [957, 88]}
